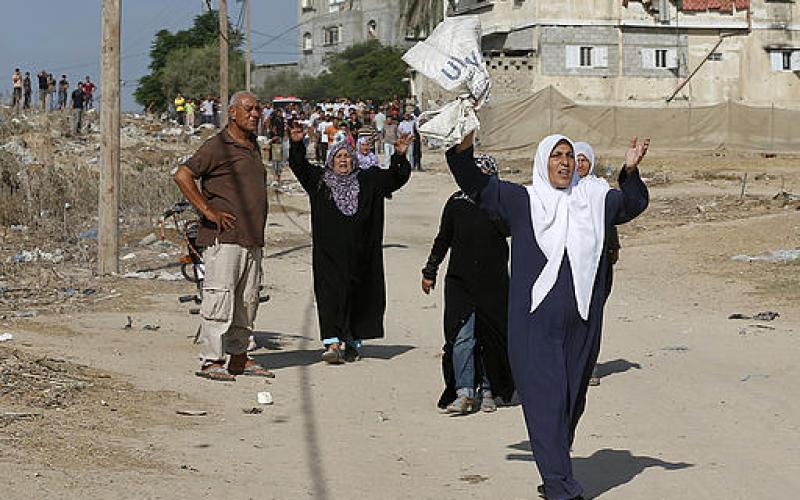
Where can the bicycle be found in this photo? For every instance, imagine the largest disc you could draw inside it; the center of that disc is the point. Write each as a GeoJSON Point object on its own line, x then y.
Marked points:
{"type": "Point", "coordinates": [191, 263]}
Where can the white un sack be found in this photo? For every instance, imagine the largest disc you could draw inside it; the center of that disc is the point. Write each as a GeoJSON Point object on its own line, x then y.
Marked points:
{"type": "Point", "coordinates": [451, 57]}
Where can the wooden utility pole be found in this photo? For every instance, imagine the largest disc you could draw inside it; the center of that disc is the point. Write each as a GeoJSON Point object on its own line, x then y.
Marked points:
{"type": "Point", "coordinates": [223, 63]}
{"type": "Point", "coordinates": [108, 229]}
{"type": "Point", "coordinates": [247, 46]}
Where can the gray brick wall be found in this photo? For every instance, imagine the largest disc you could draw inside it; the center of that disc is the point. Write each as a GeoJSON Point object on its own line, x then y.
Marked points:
{"type": "Point", "coordinates": [554, 40]}
{"type": "Point", "coordinates": [634, 42]}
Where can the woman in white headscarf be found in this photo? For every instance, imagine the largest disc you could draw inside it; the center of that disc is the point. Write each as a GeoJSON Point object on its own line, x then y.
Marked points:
{"type": "Point", "coordinates": [585, 164]}
{"type": "Point", "coordinates": [557, 289]}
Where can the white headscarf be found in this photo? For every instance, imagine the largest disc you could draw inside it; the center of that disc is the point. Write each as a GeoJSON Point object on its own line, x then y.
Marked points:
{"type": "Point", "coordinates": [585, 149]}
{"type": "Point", "coordinates": [571, 219]}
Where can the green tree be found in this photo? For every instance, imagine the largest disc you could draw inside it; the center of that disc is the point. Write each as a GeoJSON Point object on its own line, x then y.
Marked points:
{"type": "Point", "coordinates": [194, 71]}
{"type": "Point", "coordinates": [151, 91]}
{"type": "Point", "coordinates": [368, 70]}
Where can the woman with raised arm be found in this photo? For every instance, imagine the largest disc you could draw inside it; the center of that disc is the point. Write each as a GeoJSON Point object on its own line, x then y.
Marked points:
{"type": "Point", "coordinates": [347, 212]}
{"type": "Point", "coordinates": [557, 289]}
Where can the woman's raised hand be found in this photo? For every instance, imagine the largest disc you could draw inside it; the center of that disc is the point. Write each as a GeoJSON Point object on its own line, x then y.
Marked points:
{"type": "Point", "coordinates": [401, 146]}
{"type": "Point", "coordinates": [636, 153]}
{"type": "Point", "coordinates": [296, 134]}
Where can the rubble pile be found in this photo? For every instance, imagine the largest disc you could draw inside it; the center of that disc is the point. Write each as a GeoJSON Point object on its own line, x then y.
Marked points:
{"type": "Point", "coordinates": [48, 202]}
{"type": "Point", "coordinates": [39, 382]}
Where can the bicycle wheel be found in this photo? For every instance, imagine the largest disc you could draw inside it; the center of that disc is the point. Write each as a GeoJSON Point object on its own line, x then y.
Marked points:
{"type": "Point", "coordinates": [188, 272]}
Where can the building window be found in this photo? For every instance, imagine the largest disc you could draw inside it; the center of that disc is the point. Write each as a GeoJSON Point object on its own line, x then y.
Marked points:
{"type": "Point", "coordinates": [416, 33]}
{"type": "Point", "coordinates": [587, 57]}
{"type": "Point", "coordinates": [336, 5]}
{"type": "Point", "coordinates": [308, 42]}
{"type": "Point", "coordinates": [659, 58]}
{"type": "Point", "coordinates": [332, 35]}
{"type": "Point", "coordinates": [785, 60]}
{"type": "Point", "coordinates": [307, 4]}
{"type": "Point", "coordinates": [372, 30]}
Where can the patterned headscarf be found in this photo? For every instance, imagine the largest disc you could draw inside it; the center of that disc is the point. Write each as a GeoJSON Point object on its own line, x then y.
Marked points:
{"type": "Point", "coordinates": [366, 161]}
{"type": "Point", "coordinates": [344, 188]}
{"type": "Point", "coordinates": [487, 163]}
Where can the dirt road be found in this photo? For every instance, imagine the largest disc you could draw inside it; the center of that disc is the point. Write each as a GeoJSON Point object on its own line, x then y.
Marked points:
{"type": "Point", "coordinates": [692, 404]}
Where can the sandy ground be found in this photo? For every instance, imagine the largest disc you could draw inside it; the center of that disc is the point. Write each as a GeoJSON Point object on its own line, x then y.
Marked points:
{"type": "Point", "coordinates": [692, 404]}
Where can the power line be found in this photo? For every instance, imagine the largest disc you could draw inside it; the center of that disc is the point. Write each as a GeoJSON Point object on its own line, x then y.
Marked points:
{"type": "Point", "coordinates": [275, 37]}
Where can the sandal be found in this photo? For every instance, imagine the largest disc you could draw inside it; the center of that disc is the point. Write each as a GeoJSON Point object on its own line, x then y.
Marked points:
{"type": "Point", "coordinates": [333, 356]}
{"type": "Point", "coordinates": [215, 372]}
{"type": "Point", "coordinates": [256, 370]}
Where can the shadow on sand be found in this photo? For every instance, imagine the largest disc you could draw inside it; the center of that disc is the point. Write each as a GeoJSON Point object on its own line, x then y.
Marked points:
{"type": "Point", "coordinates": [605, 469]}
{"type": "Point", "coordinates": [305, 357]}
{"type": "Point", "coordinates": [607, 368]}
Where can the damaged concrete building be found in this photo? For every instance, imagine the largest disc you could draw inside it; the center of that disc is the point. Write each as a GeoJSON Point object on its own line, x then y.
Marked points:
{"type": "Point", "coordinates": [644, 52]}
{"type": "Point", "coordinates": [330, 26]}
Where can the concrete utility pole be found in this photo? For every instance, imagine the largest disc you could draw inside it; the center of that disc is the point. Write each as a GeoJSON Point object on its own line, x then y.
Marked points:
{"type": "Point", "coordinates": [108, 229]}
{"type": "Point", "coordinates": [223, 63]}
{"type": "Point", "coordinates": [247, 45]}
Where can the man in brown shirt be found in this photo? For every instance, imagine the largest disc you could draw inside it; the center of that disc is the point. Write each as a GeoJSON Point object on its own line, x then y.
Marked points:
{"type": "Point", "coordinates": [232, 200]}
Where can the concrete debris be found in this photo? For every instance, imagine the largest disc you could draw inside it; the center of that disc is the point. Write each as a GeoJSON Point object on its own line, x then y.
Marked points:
{"type": "Point", "coordinates": [151, 275]}
{"type": "Point", "coordinates": [36, 255]}
{"type": "Point", "coordinates": [774, 256]}
{"type": "Point", "coordinates": [129, 256]}
{"type": "Point", "coordinates": [264, 398]}
{"type": "Point", "coordinates": [18, 149]}
{"type": "Point", "coordinates": [148, 240]}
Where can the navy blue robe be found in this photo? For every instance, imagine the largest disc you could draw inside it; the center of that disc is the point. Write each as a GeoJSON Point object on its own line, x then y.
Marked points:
{"type": "Point", "coordinates": [552, 350]}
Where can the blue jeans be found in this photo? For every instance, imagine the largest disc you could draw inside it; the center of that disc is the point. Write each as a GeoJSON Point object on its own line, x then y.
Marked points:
{"type": "Point", "coordinates": [464, 361]}
{"type": "Point", "coordinates": [335, 340]}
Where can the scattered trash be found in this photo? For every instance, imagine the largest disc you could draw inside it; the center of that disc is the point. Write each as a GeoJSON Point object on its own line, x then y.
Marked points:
{"type": "Point", "coordinates": [473, 478]}
{"type": "Point", "coordinates": [382, 417]}
{"type": "Point", "coordinates": [151, 328]}
{"type": "Point", "coordinates": [150, 275]}
{"type": "Point", "coordinates": [192, 413]}
{"type": "Point", "coordinates": [18, 149]}
{"type": "Point", "coordinates": [5, 337]}
{"type": "Point", "coordinates": [15, 415]}
{"type": "Point", "coordinates": [786, 196]}
{"type": "Point", "coordinates": [252, 411]}
{"type": "Point", "coordinates": [676, 348]}
{"type": "Point", "coordinates": [762, 316]}
{"type": "Point", "coordinates": [129, 325]}
{"type": "Point", "coordinates": [25, 314]}
{"type": "Point", "coordinates": [129, 256]}
{"type": "Point", "coordinates": [189, 468]}
{"type": "Point", "coordinates": [89, 291]}
{"type": "Point", "coordinates": [264, 398]}
{"type": "Point", "coordinates": [775, 256]}
{"type": "Point", "coordinates": [91, 234]}
{"type": "Point", "coordinates": [103, 402]}
{"type": "Point", "coordinates": [148, 240]}
{"type": "Point", "coordinates": [766, 316]}
{"type": "Point", "coordinates": [35, 255]}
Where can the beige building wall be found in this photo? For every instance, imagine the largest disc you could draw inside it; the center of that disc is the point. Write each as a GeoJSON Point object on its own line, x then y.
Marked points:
{"type": "Point", "coordinates": [524, 55]}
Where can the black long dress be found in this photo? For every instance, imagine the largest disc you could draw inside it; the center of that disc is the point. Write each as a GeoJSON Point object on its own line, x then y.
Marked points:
{"type": "Point", "coordinates": [347, 257]}
{"type": "Point", "coordinates": [476, 282]}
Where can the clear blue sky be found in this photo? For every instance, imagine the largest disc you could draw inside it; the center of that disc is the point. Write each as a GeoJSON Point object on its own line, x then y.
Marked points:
{"type": "Point", "coordinates": [63, 36]}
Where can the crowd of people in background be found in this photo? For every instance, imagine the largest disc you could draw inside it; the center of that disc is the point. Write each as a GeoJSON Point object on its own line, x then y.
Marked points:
{"type": "Point", "coordinates": [362, 123]}
{"type": "Point", "coordinates": [54, 95]}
